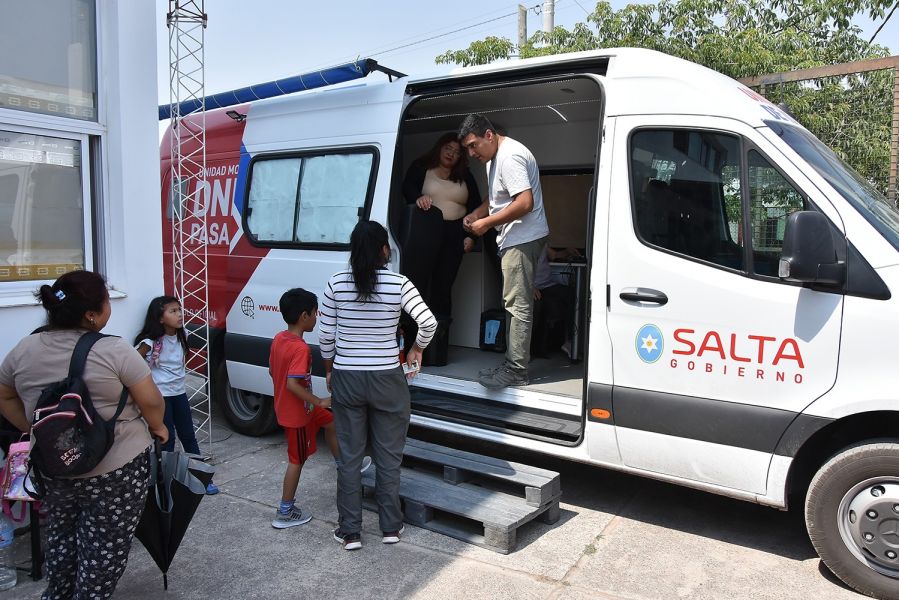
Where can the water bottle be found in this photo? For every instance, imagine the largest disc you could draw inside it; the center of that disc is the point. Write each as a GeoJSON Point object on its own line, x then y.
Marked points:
{"type": "Point", "coordinates": [7, 562]}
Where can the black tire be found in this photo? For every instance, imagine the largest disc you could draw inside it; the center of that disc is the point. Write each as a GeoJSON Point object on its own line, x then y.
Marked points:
{"type": "Point", "coordinates": [247, 412]}
{"type": "Point", "coordinates": [852, 516]}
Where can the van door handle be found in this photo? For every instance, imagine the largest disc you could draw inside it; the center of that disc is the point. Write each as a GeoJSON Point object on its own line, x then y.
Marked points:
{"type": "Point", "coordinates": [643, 295]}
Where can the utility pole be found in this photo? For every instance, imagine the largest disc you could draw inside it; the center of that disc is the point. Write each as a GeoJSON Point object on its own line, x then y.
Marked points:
{"type": "Point", "coordinates": [549, 9]}
{"type": "Point", "coordinates": [522, 27]}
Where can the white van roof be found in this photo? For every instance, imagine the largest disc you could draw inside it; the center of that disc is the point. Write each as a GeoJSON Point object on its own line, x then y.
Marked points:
{"type": "Point", "coordinates": [641, 81]}
{"type": "Point", "coordinates": [636, 81]}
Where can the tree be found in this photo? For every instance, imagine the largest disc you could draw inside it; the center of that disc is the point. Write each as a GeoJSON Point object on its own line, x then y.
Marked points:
{"type": "Point", "coordinates": [742, 38]}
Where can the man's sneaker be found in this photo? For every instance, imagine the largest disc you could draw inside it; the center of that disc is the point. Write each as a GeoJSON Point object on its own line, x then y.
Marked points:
{"type": "Point", "coordinates": [350, 541]}
{"type": "Point", "coordinates": [212, 489]}
{"type": "Point", "coordinates": [293, 518]}
{"type": "Point", "coordinates": [392, 537]}
{"type": "Point", "coordinates": [503, 377]}
{"type": "Point", "coordinates": [490, 370]}
{"type": "Point", "coordinates": [366, 463]}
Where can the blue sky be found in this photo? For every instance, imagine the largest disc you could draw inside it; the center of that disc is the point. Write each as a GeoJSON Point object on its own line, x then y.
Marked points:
{"type": "Point", "coordinates": [253, 42]}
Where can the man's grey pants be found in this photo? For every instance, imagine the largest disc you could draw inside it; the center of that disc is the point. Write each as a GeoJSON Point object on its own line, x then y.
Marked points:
{"type": "Point", "coordinates": [519, 264]}
{"type": "Point", "coordinates": [370, 405]}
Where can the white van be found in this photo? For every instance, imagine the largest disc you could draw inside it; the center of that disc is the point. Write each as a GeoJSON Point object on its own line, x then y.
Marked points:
{"type": "Point", "coordinates": [731, 318]}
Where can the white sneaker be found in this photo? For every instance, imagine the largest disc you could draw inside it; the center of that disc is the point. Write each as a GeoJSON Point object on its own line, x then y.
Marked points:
{"type": "Point", "coordinates": [366, 463]}
{"type": "Point", "coordinates": [392, 537]}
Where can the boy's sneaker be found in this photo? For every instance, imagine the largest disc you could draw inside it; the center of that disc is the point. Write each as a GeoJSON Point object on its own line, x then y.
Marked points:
{"type": "Point", "coordinates": [392, 537]}
{"type": "Point", "coordinates": [293, 518]}
{"type": "Point", "coordinates": [212, 489]}
{"type": "Point", "coordinates": [366, 463]}
{"type": "Point", "coordinates": [505, 376]}
{"type": "Point", "coordinates": [350, 541]}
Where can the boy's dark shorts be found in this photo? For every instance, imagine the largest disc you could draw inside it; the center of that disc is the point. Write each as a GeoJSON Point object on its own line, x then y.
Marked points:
{"type": "Point", "coordinates": [301, 440]}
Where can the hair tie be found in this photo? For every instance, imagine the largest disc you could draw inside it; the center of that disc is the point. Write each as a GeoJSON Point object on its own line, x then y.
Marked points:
{"type": "Point", "coordinates": [60, 295]}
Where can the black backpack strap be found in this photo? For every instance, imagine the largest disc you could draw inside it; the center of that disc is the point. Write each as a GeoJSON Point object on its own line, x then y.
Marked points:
{"type": "Point", "coordinates": [122, 399]}
{"type": "Point", "coordinates": [79, 354]}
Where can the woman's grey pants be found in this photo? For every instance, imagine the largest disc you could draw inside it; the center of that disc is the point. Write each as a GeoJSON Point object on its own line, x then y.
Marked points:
{"type": "Point", "coordinates": [370, 406]}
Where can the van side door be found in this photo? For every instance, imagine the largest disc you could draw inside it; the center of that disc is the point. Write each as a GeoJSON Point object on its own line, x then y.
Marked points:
{"type": "Point", "coordinates": [713, 355]}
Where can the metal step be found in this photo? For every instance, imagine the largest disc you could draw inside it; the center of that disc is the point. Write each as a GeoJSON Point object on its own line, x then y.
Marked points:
{"type": "Point", "coordinates": [501, 416]}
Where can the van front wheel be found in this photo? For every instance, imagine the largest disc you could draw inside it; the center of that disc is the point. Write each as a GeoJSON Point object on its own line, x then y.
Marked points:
{"type": "Point", "coordinates": [247, 412]}
{"type": "Point", "coordinates": [852, 515]}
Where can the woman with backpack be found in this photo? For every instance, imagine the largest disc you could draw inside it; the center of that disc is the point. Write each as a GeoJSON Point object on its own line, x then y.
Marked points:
{"type": "Point", "coordinates": [91, 517]}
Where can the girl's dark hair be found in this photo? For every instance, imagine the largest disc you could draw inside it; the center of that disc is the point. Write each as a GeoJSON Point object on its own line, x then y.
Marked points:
{"type": "Point", "coordinates": [153, 329]}
{"type": "Point", "coordinates": [367, 256]}
{"type": "Point", "coordinates": [432, 158]}
{"type": "Point", "coordinates": [70, 296]}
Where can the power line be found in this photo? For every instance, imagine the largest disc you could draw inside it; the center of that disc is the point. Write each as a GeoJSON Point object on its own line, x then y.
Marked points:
{"type": "Point", "coordinates": [871, 41]}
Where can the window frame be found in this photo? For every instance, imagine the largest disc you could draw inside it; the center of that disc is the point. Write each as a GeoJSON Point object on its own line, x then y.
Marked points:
{"type": "Point", "coordinates": [746, 145]}
{"type": "Point", "coordinates": [302, 154]}
{"type": "Point", "coordinates": [16, 292]}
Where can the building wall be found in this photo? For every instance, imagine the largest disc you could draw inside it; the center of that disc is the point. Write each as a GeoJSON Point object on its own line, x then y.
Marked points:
{"type": "Point", "coordinates": [124, 173]}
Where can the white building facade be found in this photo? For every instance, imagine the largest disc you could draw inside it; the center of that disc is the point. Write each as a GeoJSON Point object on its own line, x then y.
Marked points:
{"type": "Point", "coordinates": [79, 156]}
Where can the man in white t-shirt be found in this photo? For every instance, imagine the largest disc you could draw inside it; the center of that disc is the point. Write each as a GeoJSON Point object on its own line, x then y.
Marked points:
{"type": "Point", "coordinates": [514, 206]}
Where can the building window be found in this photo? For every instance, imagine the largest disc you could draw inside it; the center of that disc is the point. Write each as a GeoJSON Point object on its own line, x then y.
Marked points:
{"type": "Point", "coordinates": [311, 199]}
{"type": "Point", "coordinates": [48, 58]}
{"type": "Point", "coordinates": [42, 209]}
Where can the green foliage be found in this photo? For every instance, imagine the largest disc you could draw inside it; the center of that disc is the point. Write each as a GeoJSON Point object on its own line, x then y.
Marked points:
{"type": "Point", "coordinates": [742, 38]}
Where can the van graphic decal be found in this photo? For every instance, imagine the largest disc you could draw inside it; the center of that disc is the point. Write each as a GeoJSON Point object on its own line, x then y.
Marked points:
{"type": "Point", "coordinates": [247, 306]}
{"type": "Point", "coordinates": [650, 343]}
{"type": "Point", "coordinates": [751, 356]}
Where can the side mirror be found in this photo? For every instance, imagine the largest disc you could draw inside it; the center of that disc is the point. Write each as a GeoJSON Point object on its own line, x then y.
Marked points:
{"type": "Point", "coordinates": [808, 254]}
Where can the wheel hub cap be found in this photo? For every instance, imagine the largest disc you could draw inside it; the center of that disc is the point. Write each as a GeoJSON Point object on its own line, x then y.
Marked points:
{"type": "Point", "coordinates": [869, 518]}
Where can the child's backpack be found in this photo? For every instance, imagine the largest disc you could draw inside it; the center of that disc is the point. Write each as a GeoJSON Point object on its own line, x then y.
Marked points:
{"type": "Point", "coordinates": [69, 437]}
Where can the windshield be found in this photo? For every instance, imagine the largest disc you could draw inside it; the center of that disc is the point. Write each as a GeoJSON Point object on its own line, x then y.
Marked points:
{"type": "Point", "coordinates": [857, 191]}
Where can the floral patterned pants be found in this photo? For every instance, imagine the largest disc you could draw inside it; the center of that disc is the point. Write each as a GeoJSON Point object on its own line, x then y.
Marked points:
{"type": "Point", "coordinates": [91, 523]}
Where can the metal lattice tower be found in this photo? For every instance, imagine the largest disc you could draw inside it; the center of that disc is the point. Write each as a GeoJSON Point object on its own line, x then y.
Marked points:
{"type": "Point", "coordinates": [186, 20]}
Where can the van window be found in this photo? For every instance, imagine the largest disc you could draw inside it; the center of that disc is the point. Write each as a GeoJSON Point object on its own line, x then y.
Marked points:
{"type": "Point", "coordinates": [311, 199]}
{"type": "Point", "coordinates": [857, 191]}
{"type": "Point", "coordinates": [687, 193]}
{"type": "Point", "coordinates": [771, 200]}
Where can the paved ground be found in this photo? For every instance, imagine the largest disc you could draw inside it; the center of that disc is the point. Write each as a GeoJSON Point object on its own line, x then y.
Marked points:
{"type": "Point", "coordinates": [619, 537]}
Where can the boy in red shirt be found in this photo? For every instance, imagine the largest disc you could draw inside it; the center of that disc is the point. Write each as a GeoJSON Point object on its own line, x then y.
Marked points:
{"type": "Point", "coordinates": [300, 412]}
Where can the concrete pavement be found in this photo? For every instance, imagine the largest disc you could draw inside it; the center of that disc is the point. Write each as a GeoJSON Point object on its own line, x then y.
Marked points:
{"type": "Point", "coordinates": [619, 537]}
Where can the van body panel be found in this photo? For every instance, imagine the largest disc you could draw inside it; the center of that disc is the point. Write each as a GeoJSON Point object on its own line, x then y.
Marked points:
{"type": "Point", "coordinates": [866, 380]}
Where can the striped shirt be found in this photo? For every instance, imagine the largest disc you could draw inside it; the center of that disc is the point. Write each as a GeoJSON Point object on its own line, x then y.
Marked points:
{"type": "Point", "coordinates": [361, 336]}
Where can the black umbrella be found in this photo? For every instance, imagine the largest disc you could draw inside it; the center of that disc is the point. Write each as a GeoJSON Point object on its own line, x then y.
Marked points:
{"type": "Point", "coordinates": [179, 483]}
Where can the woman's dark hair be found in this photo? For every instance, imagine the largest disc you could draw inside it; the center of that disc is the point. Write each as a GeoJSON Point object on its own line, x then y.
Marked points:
{"type": "Point", "coordinates": [70, 296]}
{"type": "Point", "coordinates": [367, 256]}
{"type": "Point", "coordinates": [432, 158]}
{"type": "Point", "coordinates": [153, 329]}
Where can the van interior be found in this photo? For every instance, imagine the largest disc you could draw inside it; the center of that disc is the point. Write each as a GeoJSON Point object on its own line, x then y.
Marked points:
{"type": "Point", "coordinates": [558, 119]}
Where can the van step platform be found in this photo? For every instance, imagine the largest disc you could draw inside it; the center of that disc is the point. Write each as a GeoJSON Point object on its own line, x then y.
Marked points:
{"type": "Point", "coordinates": [477, 499]}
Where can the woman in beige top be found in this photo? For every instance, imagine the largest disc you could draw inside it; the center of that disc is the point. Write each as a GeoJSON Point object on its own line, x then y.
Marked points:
{"type": "Point", "coordinates": [91, 517]}
{"type": "Point", "coordinates": [444, 191]}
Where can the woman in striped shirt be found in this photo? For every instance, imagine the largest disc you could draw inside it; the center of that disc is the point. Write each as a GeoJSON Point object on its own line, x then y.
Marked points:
{"type": "Point", "coordinates": [370, 397]}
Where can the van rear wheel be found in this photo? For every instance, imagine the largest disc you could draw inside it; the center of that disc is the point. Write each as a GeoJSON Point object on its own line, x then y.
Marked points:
{"type": "Point", "coordinates": [248, 413]}
{"type": "Point", "coordinates": [852, 516]}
